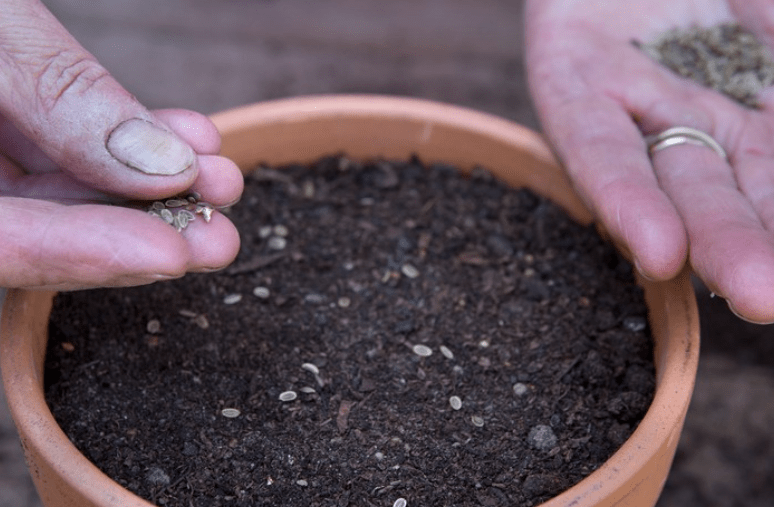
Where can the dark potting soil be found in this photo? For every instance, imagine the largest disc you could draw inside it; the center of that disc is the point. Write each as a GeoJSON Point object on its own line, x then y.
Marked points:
{"type": "Point", "coordinates": [388, 331]}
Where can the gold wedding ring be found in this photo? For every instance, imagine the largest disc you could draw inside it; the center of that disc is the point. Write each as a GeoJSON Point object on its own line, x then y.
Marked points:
{"type": "Point", "coordinates": [683, 135]}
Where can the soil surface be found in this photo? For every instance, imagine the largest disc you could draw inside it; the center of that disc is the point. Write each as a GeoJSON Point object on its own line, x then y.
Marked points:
{"type": "Point", "coordinates": [388, 331]}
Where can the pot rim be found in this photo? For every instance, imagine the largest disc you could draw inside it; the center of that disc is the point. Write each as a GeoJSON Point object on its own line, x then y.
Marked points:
{"type": "Point", "coordinates": [672, 305]}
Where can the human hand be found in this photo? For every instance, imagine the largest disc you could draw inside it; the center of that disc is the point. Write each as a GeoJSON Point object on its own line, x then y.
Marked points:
{"type": "Point", "coordinates": [73, 143]}
{"type": "Point", "coordinates": [597, 94]}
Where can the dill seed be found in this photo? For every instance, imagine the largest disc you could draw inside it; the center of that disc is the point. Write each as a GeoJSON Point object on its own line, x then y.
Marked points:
{"type": "Point", "coordinates": [455, 402]}
{"type": "Point", "coordinates": [311, 368]}
{"type": "Point", "coordinates": [302, 482]}
{"type": "Point", "coordinates": [201, 321]}
{"type": "Point", "coordinates": [409, 270]}
{"type": "Point", "coordinates": [422, 350]}
{"type": "Point", "coordinates": [281, 230]}
{"type": "Point", "coordinates": [288, 396]}
{"type": "Point", "coordinates": [277, 243]}
{"type": "Point", "coordinates": [307, 390]}
{"type": "Point", "coordinates": [153, 326]}
{"type": "Point", "coordinates": [261, 292]}
{"type": "Point", "coordinates": [187, 313]}
{"type": "Point", "coordinates": [264, 231]}
{"type": "Point", "coordinates": [231, 413]}
{"type": "Point", "coordinates": [167, 216]}
{"type": "Point", "coordinates": [448, 354]}
{"type": "Point", "coordinates": [344, 302]}
{"type": "Point", "coordinates": [232, 299]}
{"type": "Point", "coordinates": [477, 421]}
{"type": "Point", "coordinates": [175, 203]}
{"type": "Point", "coordinates": [400, 502]}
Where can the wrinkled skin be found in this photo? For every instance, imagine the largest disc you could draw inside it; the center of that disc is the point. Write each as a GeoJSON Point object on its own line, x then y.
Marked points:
{"type": "Point", "coordinates": [60, 227]}
{"type": "Point", "coordinates": [686, 204]}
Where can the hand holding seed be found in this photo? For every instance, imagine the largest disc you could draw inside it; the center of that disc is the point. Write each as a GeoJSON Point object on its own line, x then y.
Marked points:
{"type": "Point", "coordinates": [75, 147]}
{"type": "Point", "coordinates": [598, 95]}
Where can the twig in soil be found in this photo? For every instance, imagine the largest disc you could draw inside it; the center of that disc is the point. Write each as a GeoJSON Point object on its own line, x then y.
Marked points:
{"type": "Point", "coordinates": [254, 264]}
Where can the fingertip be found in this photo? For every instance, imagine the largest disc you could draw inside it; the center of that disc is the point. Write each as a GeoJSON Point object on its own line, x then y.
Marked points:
{"type": "Point", "coordinates": [748, 294]}
{"type": "Point", "coordinates": [195, 128]}
{"type": "Point", "coordinates": [212, 245]}
{"type": "Point", "coordinates": [219, 182]}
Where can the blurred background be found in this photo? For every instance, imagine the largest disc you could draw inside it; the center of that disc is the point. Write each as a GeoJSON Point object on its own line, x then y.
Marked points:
{"type": "Point", "coordinates": [212, 55]}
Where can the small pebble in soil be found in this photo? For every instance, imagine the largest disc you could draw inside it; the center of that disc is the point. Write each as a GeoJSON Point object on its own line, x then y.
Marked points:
{"type": "Point", "coordinates": [231, 413]}
{"type": "Point", "coordinates": [542, 437]}
{"type": "Point", "coordinates": [288, 396]}
{"type": "Point", "coordinates": [157, 477]}
{"type": "Point", "coordinates": [422, 350]}
{"type": "Point", "coordinates": [520, 389]}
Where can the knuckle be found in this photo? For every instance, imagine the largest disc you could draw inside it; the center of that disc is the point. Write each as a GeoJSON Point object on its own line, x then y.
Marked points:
{"type": "Point", "coordinates": [64, 74]}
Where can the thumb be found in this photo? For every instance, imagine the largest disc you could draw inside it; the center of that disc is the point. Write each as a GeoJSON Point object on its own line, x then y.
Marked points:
{"type": "Point", "coordinates": [59, 96]}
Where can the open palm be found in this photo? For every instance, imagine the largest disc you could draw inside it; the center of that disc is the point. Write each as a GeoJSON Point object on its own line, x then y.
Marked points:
{"type": "Point", "coordinates": [597, 95]}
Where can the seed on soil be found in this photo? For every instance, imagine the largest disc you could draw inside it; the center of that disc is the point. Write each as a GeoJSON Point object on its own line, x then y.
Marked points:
{"type": "Point", "coordinates": [477, 421]}
{"type": "Point", "coordinates": [307, 390]}
{"type": "Point", "coordinates": [280, 230]}
{"type": "Point", "coordinates": [264, 231]}
{"type": "Point", "coordinates": [277, 243]}
{"type": "Point", "coordinates": [175, 203]}
{"type": "Point", "coordinates": [261, 292]}
{"type": "Point", "coordinates": [409, 270]}
{"type": "Point", "coordinates": [231, 413]}
{"type": "Point", "coordinates": [311, 368]}
{"type": "Point", "coordinates": [153, 326]}
{"type": "Point", "coordinates": [520, 389]}
{"type": "Point", "coordinates": [202, 322]}
{"type": "Point", "coordinates": [447, 353]}
{"type": "Point", "coordinates": [344, 302]}
{"type": "Point", "coordinates": [455, 402]}
{"type": "Point", "coordinates": [400, 502]}
{"type": "Point", "coordinates": [187, 313]}
{"type": "Point", "coordinates": [288, 396]}
{"type": "Point", "coordinates": [232, 299]}
{"type": "Point", "coordinates": [68, 347]}
{"type": "Point", "coordinates": [302, 482]}
{"type": "Point", "coordinates": [422, 350]}
{"type": "Point", "coordinates": [635, 323]}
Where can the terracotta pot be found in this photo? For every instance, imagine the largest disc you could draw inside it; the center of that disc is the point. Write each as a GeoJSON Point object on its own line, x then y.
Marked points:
{"type": "Point", "coordinates": [302, 130]}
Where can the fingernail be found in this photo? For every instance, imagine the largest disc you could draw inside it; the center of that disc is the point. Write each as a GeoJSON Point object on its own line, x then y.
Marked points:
{"type": "Point", "coordinates": [142, 145]}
